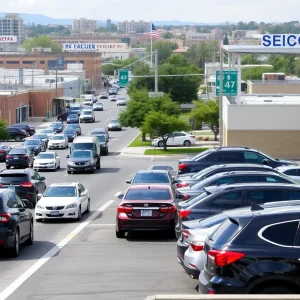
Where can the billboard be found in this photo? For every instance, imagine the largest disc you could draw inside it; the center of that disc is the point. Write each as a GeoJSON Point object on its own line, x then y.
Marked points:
{"type": "Point", "coordinates": [95, 47]}
{"type": "Point", "coordinates": [5, 39]}
{"type": "Point", "coordinates": [280, 40]}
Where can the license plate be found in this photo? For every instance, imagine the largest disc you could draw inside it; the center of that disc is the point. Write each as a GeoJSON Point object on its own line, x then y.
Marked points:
{"type": "Point", "coordinates": [54, 213]}
{"type": "Point", "coordinates": [146, 213]}
{"type": "Point", "coordinates": [15, 157]}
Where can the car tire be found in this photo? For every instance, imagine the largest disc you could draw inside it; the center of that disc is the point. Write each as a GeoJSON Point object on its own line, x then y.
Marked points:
{"type": "Point", "coordinates": [276, 290]}
{"type": "Point", "coordinates": [88, 209]}
{"type": "Point", "coordinates": [18, 138]}
{"type": "Point", "coordinates": [187, 143]}
{"type": "Point", "coordinates": [120, 234]}
{"type": "Point", "coordinates": [31, 235]}
{"type": "Point", "coordinates": [14, 251]}
{"type": "Point", "coordinates": [69, 172]}
{"type": "Point", "coordinates": [7, 167]}
{"type": "Point", "coordinates": [79, 214]}
{"type": "Point", "coordinates": [160, 144]}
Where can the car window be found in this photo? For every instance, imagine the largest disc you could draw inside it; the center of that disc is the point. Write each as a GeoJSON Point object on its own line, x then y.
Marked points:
{"type": "Point", "coordinates": [148, 194]}
{"type": "Point", "coordinates": [151, 178]}
{"type": "Point", "coordinates": [11, 202]}
{"type": "Point", "coordinates": [293, 195]}
{"type": "Point", "coordinates": [212, 157]}
{"type": "Point", "coordinates": [224, 180]}
{"type": "Point", "coordinates": [273, 179]}
{"type": "Point", "coordinates": [247, 178]}
{"type": "Point", "coordinates": [231, 156]}
{"type": "Point", "coordinates": [14, 196]}
{"type": "Point", "coordinates": [262, 196]}
{"type": "Point", "coordinates": [37, 175]}
{"type": "Point", "coordinates": [227, 201]}
{"type": "Point", "coordinates": [270, 234]}
{"type": "Point", "coordinates": [291, 172]}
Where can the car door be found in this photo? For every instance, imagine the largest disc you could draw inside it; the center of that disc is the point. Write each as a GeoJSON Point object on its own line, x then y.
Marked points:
{"type": "Point", "coordinates": [170, 140]}
{"type": "Point", "coordinates": [30, 156]}
{"type": "Point", "coordinates": [82, 196]}
{"type": "Point", "coordinates": [85, 194]}
{"type": "Point", "coordinates": [26, 218]}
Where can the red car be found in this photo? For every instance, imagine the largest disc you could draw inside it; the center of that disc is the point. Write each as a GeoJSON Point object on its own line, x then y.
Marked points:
{"type": "Point", "coordinates": [146, 207]}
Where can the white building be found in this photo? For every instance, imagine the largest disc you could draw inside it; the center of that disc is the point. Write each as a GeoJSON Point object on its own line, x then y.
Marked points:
{"type": "Point", "coordinates": [83, 25]}
{"type": "Point", "coordinates": [134, 26]}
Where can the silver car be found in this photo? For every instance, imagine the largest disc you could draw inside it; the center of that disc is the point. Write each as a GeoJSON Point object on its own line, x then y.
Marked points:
{"type": "Point", "coordinates": [114, 125]}
{"type": "Point", "coordinates": [291, 171]}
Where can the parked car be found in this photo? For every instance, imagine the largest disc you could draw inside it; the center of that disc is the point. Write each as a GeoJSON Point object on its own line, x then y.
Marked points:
{"type": "Point", "coordinates": [176, 139]}
{"type": "Point", "coordinates": [49, 132]}
{"type": "Point", "coordinates": [98, 106]}
{"type": "Point", "coordinates": [35, 145]}
{"type": "Point", "coordinates": [58, 141]}
{"type": "Point", "coordinates": [74, 126]}
{"type": "Point", "coordinates": [102, 131]}
{"type": "Point", "coordinates": [20, 158]}
{"type": "Point", "coordinates": [26, 183]}
{"type": "Point", "coordinates": [72, 118]}
{"type": "Point", "coordinates": [227, 155]}
{"type": "Point", "coordinates": [87, 116]}
{"type": "Point", "coordinates": [103, 95]}
{"type": "Point", "coordinates": [186, 180]}
{"type": "Point", "coordinates": [28, 128]}
{"type": "Point", "coordinates": [81, 161]}
{"type": "Point", "coordinates": [152, 177]}
{"type": "Point", "coordinates": [63, 201]}
{"type": "Point", "coordinates": [57, 126]}
{"type": "Point", "coordinates": [103, 142]}
{"type": "Point", "coordinates": [70, 133]}
{"type": "Point", "coordinates": [254, 253]}
{"type": "Point", "coordinates": [148, 207]}
{"type": "Point", "coordinates": [291, 171]}
{"type": "Point", "coordinates": [114, 125]}
{"type": "Point", "coordinates": [46, 161]}
{"type": "Point", "coordinates": [17, 134]}
{"type": "Point", "coordinates": [16, 222]}
{"type": "Point", "coordinates": [4, 150]}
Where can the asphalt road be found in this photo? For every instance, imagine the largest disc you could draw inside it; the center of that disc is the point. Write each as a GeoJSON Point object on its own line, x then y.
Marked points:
{"type": "Point", "coordinates": [94, 264]}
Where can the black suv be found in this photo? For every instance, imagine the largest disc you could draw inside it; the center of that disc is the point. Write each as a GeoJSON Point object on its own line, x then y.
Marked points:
{"type": "Point", "coordinates": [103, 142]}
{"type": "Point", "coordinates": [17, 134]}
{"type": "Point", "coordinates": [227, 155]}
{"type": "Point", "coordinates": [254, 253]}
{"type": "Point", "coordinates": [19, 158]}
{"type": "Point", "coordinates": [215, 199]}
{"type": "Point", "coordinates": [26, 183]}
{"type": "Point", "coordinates": [16, 222]}
{"type": "Point", "coordinates": [30, 129]}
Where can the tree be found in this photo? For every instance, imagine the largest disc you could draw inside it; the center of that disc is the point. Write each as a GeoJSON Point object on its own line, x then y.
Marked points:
{"type": "Point", "coordinates": [163, 125]}
{"type": "Point", "coordinates": [4, 135]}
{"type": "Point", "coordinates": [42, 41]}
{"type": "Point", "coordinates": [164, 48]}
{"type": "Point", "coordinates": [168, 35]}
{"type": "Point", "coordinates": [140, 104]}
{"type": "Point", "coordinates": [250, 59]}
{"type": "Point", "coordinates": [208, 113]}
{"type": "Point", "coordinates": [109, 69]}
{"type": "Point", "coordinates": [255, 73]}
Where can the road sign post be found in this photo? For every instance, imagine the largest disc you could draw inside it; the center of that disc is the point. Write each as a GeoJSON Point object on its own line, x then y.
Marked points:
{"type": "Point", "coordinates": [123, 77]}
{"type": "Point", "coordinates": [230, 83]}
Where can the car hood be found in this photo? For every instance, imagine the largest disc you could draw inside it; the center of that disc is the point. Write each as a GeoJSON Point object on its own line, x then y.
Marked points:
{"type": "Point", "coordinates": [56, 141]}
{"type": "Point", "coordinates": [45, 161]}
{"type": "Point", "coordinates": [79, 159]}
{"type": "Point", "coordinates": [286, 162]}
{"type": "Point", "coordinates": [57, 201]}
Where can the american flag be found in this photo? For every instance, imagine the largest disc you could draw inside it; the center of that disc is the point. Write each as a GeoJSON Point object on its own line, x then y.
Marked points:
{"type": "Point", "coordinates": [154, 32]}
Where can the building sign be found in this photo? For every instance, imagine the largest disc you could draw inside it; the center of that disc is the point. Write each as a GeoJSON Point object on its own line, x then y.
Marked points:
{"type": "Point", "coordinates": [280, 40]}
{"type": "Point", "coordinates": [95, 47]}
{"type": "Point", "coordinates": [8, 39]}
{"type": "Point", "coordinates": [60, 63]}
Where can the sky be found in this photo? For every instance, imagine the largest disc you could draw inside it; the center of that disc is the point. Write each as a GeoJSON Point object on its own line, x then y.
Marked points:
{"type": "Point", "coordinates": [200, 11]}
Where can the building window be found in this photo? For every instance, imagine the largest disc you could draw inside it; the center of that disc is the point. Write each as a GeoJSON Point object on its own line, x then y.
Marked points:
{"type": "Point", "coordinates": [70, 62]}
{"type": "Point", "coordinates": [42, 62]}
{"type": "Point", "coordinates": [81, 61]}
{"type": "Point", "coordinates": [12, 62]}
{"type": "Point", "coordinates": [28, 62]}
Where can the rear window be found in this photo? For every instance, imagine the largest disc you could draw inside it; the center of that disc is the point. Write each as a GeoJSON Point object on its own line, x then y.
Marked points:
{"type": "Point", "coordinates": [18, 151]}
{"type": "Point", "coordinates": [194, 200]}
{"type": "Point", "coordinates": [212, 221]}
{"type": "Point", "coordinates": [195, 158]}
{"type": "Point", "coordinates": [13, 178]}
{"type": "Point", "coordinates": [148, 194]}
{"type": "Point", "coordinates": [151, 178]}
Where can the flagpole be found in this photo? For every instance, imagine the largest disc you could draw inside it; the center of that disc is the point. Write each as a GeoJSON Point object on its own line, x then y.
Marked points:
{"type": "Point", "coordinates": [151, 44]}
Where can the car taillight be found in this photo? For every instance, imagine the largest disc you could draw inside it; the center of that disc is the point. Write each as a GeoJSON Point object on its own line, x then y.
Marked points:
{"type": "Point", "coordinates": [184, 213]}
{"type": "Point", "coordinates": [224, 258]}
{"type": "Point", "coordinates": [26, 184]}
{"type": "Point", "coordinates": [186, 234]}
{"type": "Point", "coordinates": [24, 156]}
{"type": "Point", "coordinates": [182, 166]}
{"type": "Point", "coordinates": [192, 136]}
{"type": "Point", "coordinates": [185, 197]}
{"type": "Point", "coordinates": [124, 209]}
{"type": "Point", "coordinates": [4, 218]}
{"type": "Point", "coordinates": [2, 151]}
{"type": "Point", "coordinates": [197, 246]}
{"type": "Point", "coordinates": [182, 184]}
{"type": "Point", "coordinates": [8, 156]}
{"type": "Point", "coordinates": [168, 209]}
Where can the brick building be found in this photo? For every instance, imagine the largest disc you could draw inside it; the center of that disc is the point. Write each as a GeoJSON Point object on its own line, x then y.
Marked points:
{"type": "Point", "coordinates": [48, 61]}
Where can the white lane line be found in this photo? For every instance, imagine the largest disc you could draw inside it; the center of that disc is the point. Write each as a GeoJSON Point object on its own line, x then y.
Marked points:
{"type": "Point", "coordinates": [19, 281]}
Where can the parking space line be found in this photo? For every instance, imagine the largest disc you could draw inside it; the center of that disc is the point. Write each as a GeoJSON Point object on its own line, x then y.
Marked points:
{"type": "Point", "coordinates": [52, 252]}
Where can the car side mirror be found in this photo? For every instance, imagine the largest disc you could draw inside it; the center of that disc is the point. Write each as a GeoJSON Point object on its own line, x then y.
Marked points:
{"type": "Point", "coordinates": [68, 156]}
{"type": "Point", "coordinates": [42, 178]}
{"type": "Point", "coordinates": [180, 196]}
{"type": "Point", "coordinates": [266, 162]}
{"type": "Point", "coordinates": [27, 203]}
{"type": "Point", "coordinates": [175, 180]}
{"type": "Point", "coordinates": [129, 181]}
{"type": "Point", "coordinates": [120, 196]}
{"type": "Point", "coordinates": [39, 196]}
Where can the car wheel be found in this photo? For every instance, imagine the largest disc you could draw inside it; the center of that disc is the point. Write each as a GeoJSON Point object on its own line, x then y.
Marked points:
{"type": "Point", "coordinates": [120, 234]}
{"type": "Point", "coordinates": [31, 235]}
{"type": "Point", "coordinates": [160, 144]}
{"type": "Point", "coordinates": [79, 214]}
{"type": "Point", "coordinates": [8, 167]}
{"type": "Point", "coordinates": [187, 143]}
{"type": "Point", "coordinates": [69, 172]}
{"type": "Point", "coordinates": [276, 290]}
{"type": "Point", "coordinates": [88, 209]}
{"type": "Point", "coordinates": [16, 248]}
{"type": "Point", "coordinates": [18, 138]}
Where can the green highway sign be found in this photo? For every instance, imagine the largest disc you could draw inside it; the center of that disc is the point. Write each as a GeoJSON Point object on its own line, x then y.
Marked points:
{"type": "Point", "coordinates": [123, 77]}
{"type": "Point", "coordinates": [230, 83]}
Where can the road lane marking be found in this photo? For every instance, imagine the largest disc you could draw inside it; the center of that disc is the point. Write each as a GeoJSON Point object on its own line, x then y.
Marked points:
{"type": "Point", "coordinates": [52, 252]}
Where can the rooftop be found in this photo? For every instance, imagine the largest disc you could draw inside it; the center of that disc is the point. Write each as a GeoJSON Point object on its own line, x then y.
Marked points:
{"type": "Point", "coordinates": [267, 99]}
{"type": "Point", "coordinates": [259, 49]}
{"type": "Point", "coordinates": [282, 82]}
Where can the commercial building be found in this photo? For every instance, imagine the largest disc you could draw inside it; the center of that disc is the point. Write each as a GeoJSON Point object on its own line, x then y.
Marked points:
{"type": "Point", "coordinates": [273, 86]}
{"type": "Point", "coordinates": [198, 38]}
{"type": "Point", "coordinates": [83, 25]}
{"type": "Point", "coordinates": [134, 26]}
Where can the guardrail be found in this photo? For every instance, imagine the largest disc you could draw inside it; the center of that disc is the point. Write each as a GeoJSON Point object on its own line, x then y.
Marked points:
{"type": "Point", "coordinates": [223, 297]}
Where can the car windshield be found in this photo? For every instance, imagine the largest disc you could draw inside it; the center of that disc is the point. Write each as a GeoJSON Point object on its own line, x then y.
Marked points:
{"type": "Point", "coordinates": [98, 104]}
{"type": "Point", "coordinates": [148, 194]}
{"type": "Point", "coordinates": [73, 116]}
{"type": "Point", "coordinates": [101, 138]}
{"type": "Point", "coordinates": [86, 112]}
{"type": "Point", "coordinates": [69, 131]}
{"type": "Point", "coordinates": [114, 121]}
{"type": "Point", "coordinates": [84, 154]}
{"type": "Point", "coordinates": [18, 151]}
{"type": "Point", "coordinates": [48, 130]}
{"type": "Point", "coordinates": [75, 108]}
{"type": "Point", "coordinates": [73, 126]}
{"type": "Point", "coordinates": [151, 178]}
{"type": "Point", "coordinates": [39, 136]}
{"type": "Point", "coordinates": [3, 147]}
{"type": "Point", "coordinates": [45, 156]}
{"type": "Point", "coordinates": [201, 154]}
{"type": "Point", "coordinates": [194, 200]}
{"type": "Point", "coordinates": [57, 137]}
{"type": "Point", "coordinates": [202, 172]}
{"type": "Point", "coordinates": [60, 191]}
{"type": "Point", "coordinates": [32, 142]}
{"type": "Point", "coordinates": [55, 124]}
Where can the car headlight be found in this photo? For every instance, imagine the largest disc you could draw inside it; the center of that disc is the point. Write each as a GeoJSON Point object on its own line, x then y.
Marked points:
{"type": "Point", "coordinates": [90, 162]}
{"type": "Point", "coordinates": [73, 205]}
{"type": "Point", "coordinates": [70, 163]}
{"type": "Point", "coordinates": [40, 206]}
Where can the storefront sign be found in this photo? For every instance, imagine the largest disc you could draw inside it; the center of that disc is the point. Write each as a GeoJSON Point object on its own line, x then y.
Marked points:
{"type": "Point", "coordinates": [280, 40]}
{"type": "Point", "coordinates": [8, 39]}
{"type": "Point", "coordinates": [95, 47]}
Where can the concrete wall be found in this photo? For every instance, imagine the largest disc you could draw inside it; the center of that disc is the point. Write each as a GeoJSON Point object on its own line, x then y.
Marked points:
{"type": "Point", "coordinates": [265, 88]}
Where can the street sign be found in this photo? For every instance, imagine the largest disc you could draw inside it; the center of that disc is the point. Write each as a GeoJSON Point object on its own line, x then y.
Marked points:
{"type": "Point", "coordinates": [230, 83]}
{"type": "Point", "coordinates": [123, 77]}
{"type": "Point", "coordinates": [155, 94]}
{"type": "Point", "coordinates": [60, 63]}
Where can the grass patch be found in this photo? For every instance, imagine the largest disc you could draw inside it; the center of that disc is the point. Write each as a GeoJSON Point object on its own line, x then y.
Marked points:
{"type": "Point", "coordinates": [173, 151]}
{"type": "Point", "coordinates": [137, 142]}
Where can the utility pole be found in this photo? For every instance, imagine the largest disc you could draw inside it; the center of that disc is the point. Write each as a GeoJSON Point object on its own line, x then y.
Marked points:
{"type": "Point", "coordinates": [156, 71]}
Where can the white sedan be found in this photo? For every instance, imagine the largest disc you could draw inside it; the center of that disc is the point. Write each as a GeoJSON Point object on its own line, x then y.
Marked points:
{"type": "Point", "coordinates": [58, 141]}
{"type": "Point", "coordinates": [63, 201]}
{"type": "Point", "coordinates": [291, 171]}
{"type": "Point", "coordinates": [46, 161]}
{"type": "Point", "coordinates": [176, 139]}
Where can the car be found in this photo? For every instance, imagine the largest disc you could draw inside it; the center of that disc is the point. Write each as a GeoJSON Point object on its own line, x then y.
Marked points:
{"type": "Point", "coordinates": [70, 134]}
{"type": "Point", "coordinates": [28, 128]}
{"type": "Point", "coordinates": [63, 201]}
{"type": "Point", "coordinates": [72, 118]}
{"type": "Point", "coordinates": [4, 150]}
{"type": "Point", "coordinates": [88, 102]}
{"type": "Point", "coordinates": [87, 116]}
{"type": "Point", "coordinates": [112, 91]}
{"type": "Point", "coordinates": [19, 158]}
{"type": "Point", "coordinates": [291, 171]}
{"type": "Point", "coordinates": [253, 253]}
{"type": "Point", "coordinates": [103, 142]}
{"type": "Point", "coordinates": [17, 134]}
{"type": "Point", "coordinates": [41, 136]}
{"type": "Point", "coordinates": [176, 139]}
{"type": "Point", "coordinates": [58, 141]}
{"type": "Point", "coordinates": [81, 161]}
{"type": "Point", "coordinates": [114, 125]}
{"type": "Point", "coordinates": [49, 132]}
{"type": "Point", "coordinates": [215, 199]}
{"type": "Point", "coordinates": [57, 126]}
{"type": "Point", "coordinates": [145, 207]}
{"type": "Point", "coordinates": [188, 180]}
{"type": "Point", "coordinates": [34, 145]}
{"type": "Point", "coordinates": [103, 95]}
{"type": "Point", "coordinates": [168, 168]}
{"type": "Point", "coordinates": [98, 106]}
{"type": "Point", "coordinates": [26, 183]}
{"type": "Point", "coordinates": [232, 178]}
{"type": "Point", "coordinates": [113, 98]}
{"type": "Point", "coordinates": [75, 108]}
{"type": "Point", "coordinates": [152, 177]}
{"type": "Point", "coordinates": [116, 86]}
{"type": "Point", "coordinates": [102, 131]}
{"type": "Point", "coordinates": [121, 101]}
{"type": "Point", "coordinates": [74, 126]}
{"type": "Point", "coordinates": [16, 222]}
{"type": "Point", "coordinates": [46, 161]}
{"type": "Point", "coordinates": [227, 155]}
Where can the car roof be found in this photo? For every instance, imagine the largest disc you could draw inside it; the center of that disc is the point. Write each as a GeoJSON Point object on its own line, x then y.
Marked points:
{"type": "Point", "coordinates": [59, 134]}
{"type": "Point", "coordinates": [47, 152]}
{"type": "Point", "coordinates": [284, 168]}
{"type": "Point", "coordinates": [152, 171]}
{"type": "Point", "coordinates": [245, 172]}
{"type": "Point", "coordinates": [33, 139]}
{"type": "Point", "coordinates": [149, 186]}
{"type": "Point", "coordinates": [64, 184]}
{"type": "Point", "coordinates": [240, 165]}
{"type": "Point", "coordinates": [82, 139]}
{"type": "Point", "coordinates": [168, 166]}
{"type": "Point", "coordinates": [19, 171]}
